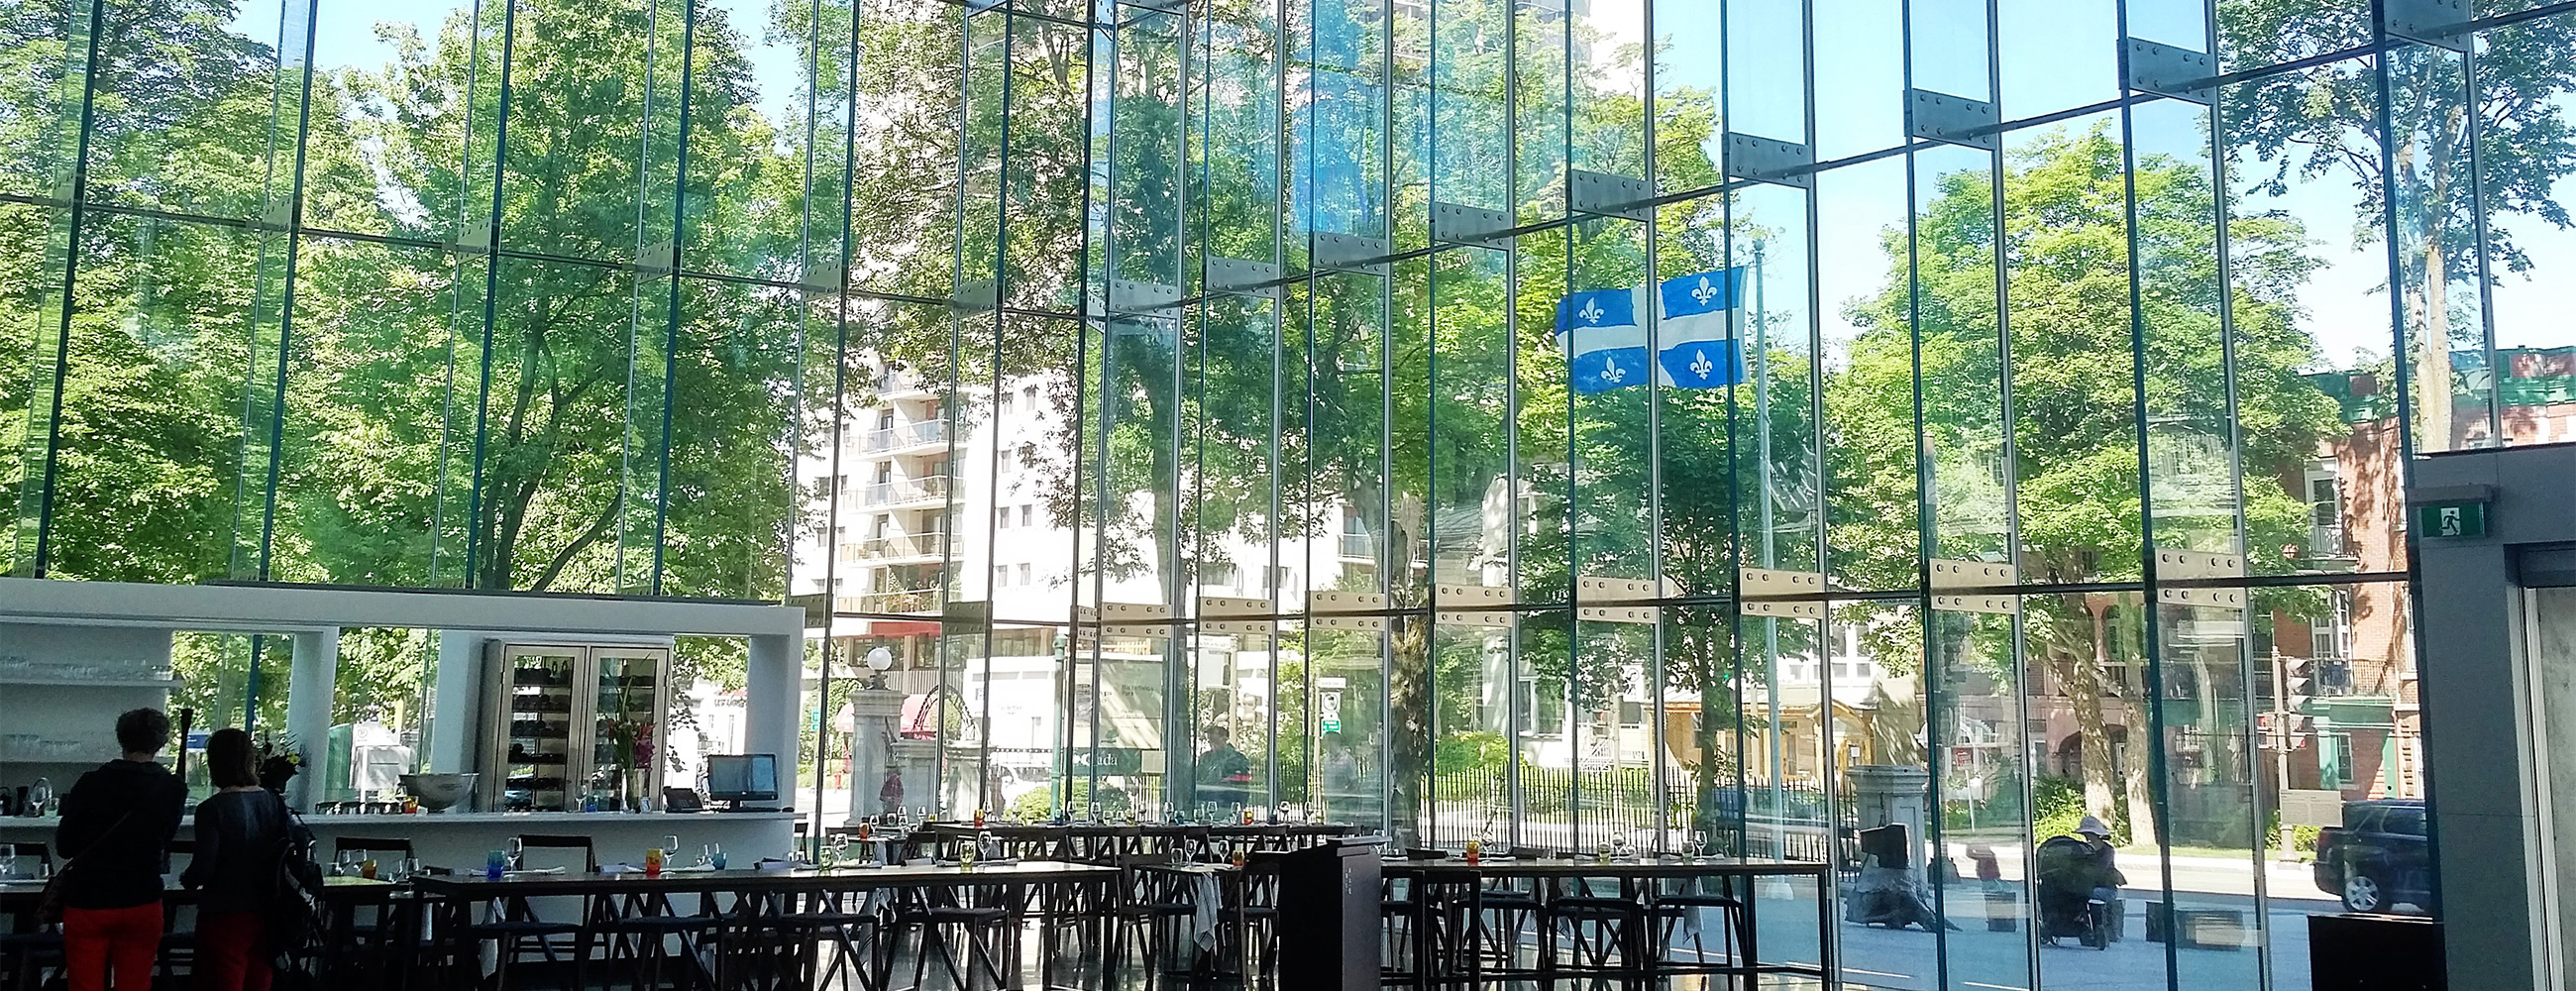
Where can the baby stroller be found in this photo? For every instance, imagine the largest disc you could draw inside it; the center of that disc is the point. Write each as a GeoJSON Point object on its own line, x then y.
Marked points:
{"type": "Point", "coordinates": [2067, 906]}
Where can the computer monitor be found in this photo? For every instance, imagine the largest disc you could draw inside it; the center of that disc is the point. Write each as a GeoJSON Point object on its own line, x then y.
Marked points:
{"type": "Point", "coordinates": [739, 778]}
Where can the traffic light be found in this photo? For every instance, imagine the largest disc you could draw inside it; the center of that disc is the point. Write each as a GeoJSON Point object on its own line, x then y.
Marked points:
{"type": "Point", "coordinates": [2298, 685]}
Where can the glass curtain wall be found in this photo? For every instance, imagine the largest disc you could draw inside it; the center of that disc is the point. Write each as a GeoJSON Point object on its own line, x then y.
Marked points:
{"type": "Point", "coordinates": [1632, 422]}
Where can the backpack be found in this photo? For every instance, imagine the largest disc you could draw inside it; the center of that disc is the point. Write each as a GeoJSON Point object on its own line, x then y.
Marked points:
{"type": "Point", "coordinates": [2066, 862]}
{"type": "Point", "coordinates": [297, 917]}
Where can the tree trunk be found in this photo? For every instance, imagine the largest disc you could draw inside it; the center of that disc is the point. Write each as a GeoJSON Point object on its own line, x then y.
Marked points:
{"type": "Point", "coordinates": [1408, 682]}
{"type": "Point", "coordinates": [2083, 678]}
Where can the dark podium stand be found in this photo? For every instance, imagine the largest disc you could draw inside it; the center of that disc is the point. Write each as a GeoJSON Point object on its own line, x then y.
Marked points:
{"type": "Point", "coordinates": [1328, 916]}
{"type": "Point", "coordinates": [2375, 953]}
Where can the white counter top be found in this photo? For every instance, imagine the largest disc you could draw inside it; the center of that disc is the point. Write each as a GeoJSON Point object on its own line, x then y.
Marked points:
{"type": "Point", "coordinates": [515, 818]}
{"type": "Point", "coordinates": [339, 821]}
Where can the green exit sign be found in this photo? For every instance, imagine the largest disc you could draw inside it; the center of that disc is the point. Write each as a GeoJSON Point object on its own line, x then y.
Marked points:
{"type": "Point", "coordinates": [2450, 520]}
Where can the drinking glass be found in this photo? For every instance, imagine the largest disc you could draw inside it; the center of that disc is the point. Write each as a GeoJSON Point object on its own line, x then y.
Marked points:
{"type": "Point", "coordinates": [409, 867]}
{"type": "Point", "coordinates": [8, 861]}
{"type": "Point", "coordinates": [517, 854]}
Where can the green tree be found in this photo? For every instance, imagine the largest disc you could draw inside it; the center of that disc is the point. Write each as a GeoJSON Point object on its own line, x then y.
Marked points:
{"type": "Point", "coordinates": [2064, 242]}
{"type": "Point", "coordinates": [2326, 121]}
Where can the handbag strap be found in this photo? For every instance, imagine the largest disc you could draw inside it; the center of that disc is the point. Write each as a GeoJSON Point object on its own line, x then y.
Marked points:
{"type": "Point", "coordinates": [94, 845]}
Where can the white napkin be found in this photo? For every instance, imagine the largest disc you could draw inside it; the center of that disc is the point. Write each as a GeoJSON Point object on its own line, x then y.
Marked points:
{"type": "Point", "coordinates": [532, 872]}
{"type": "Point", "coordinates": [1203, 910]}
{"type": "Point", "coordinates": [691, 869]}
{"type": "Point", "coordinates": [780, 865]}
{"type": "Point", "coordinates": [613, 869]}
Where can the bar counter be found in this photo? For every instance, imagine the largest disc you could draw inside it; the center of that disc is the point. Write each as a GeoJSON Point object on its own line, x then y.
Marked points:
{"type": "Point", "coordinates": [461, 839]}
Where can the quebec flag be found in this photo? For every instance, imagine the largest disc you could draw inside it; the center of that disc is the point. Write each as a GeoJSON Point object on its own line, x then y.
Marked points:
{"type": "Point", "coordinates": [1697, 334]}
{"type": "Point", "coordinates": [1605, 343]}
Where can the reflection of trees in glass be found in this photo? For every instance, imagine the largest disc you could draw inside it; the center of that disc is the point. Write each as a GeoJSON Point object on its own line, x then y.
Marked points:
{"type": "Point", "coordinates": [2325, 121]}
{"type": "Point", "coordinates": [2074, 430]}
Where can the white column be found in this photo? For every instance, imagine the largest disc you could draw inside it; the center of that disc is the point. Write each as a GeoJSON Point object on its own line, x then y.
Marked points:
{"type": "Point", "coordinates": [453, 726]}
{"type": "Point", "coordinates": [771, 710]}
{"type": "Point", "coordinates": [310, 687]}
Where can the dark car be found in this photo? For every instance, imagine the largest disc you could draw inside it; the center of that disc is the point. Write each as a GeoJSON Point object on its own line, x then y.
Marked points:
{"type": "Point", "coordinates": [2378, 858]}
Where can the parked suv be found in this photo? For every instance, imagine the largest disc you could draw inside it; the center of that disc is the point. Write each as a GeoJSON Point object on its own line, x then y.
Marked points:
{"type": "Point", "coordinates": [2378, 858]}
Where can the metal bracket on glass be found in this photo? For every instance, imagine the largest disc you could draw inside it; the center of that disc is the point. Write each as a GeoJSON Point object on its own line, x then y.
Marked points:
{"type": "Point", "coordinates": [656, 258]}
{"type": "Point", "coordinates": [822, 279]}
{"type": "Point", "coordinates": [475, 238]}
{"type": "Point", "coordinates": [1761, 159]}
{"type": "Point", "coordinates": [2198, 565]}
{"type": "Point", "coordinates": [1165, 6]}
{"type": "Point", "coordinates": [1238, 277]}
{"type": "Point", "coordinates": [1224, 614]}
{"type": "Point", "coordinates": [1361, 612]}
{"type": "Point", "coordinates": [1127, 619]}
{"type": "Point", "coordinates": [1456, 223]}
{"type": "Point", "coordinates": [1350, 253]}
{"type": "Point", "coordinates": [981, 294]}
{"type": "Point", "coordinates": [1758, 592]}
{"type": "Point", "coordinates": [980, 6]}
{"type": "Point", "coordinates": [1969, 586]}
{"type": "Point", "coordinates": [1951, 119]}
{"type": "Point", "coordinates": [1621, 596]}
{"type": "Point", "coordinates": [1472, 605]}
{"type": "Point", "coordinates": [2180, 565]}
{"type": "Point", "coordinates": [2434, 22]}
{"type": "Point", "coordinates": [1604, 195]}
{"type": "Point", "coordinates": [2167, 70]}
{"type": "Point", "coordinates": [1132, 296]}
{"type": "Point", "coordinates": [2206, 598]}
{"type": "Point", "coordinates": [969, 617]}
{"type": "Point", "coordinates": [279, 216]}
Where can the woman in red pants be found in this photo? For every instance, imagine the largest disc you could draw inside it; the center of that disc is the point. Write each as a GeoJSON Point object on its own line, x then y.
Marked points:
{"type": "Point", "coordinates": [116, 828]}
{"type": "Point", "coordinates": [240, 831]}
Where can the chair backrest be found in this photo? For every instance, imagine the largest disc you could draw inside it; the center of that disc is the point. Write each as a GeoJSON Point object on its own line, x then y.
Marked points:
{"type": "Point", "coordinates": [541, 841]}
{"type": "Point", "coordinates": [371, 845]}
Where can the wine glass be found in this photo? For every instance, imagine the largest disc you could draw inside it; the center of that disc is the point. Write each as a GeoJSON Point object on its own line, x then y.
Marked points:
{"type": "Point", "coordinates": [518, 854]}
{"type": "Point", "coordinates": [8, 861]}
{"type": "Point", "coordinates": [1618, 846]}
{"type": "Point", "coordinates": [1699, 844]}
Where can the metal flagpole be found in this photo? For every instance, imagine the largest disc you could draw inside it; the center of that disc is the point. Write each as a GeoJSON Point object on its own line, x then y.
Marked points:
{"type": "Point", "coordinates": [1770, 549]}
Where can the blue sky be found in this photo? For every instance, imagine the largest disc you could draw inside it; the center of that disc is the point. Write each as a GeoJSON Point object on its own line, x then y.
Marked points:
{"type": "Point", "coordinates": [2056, 56]}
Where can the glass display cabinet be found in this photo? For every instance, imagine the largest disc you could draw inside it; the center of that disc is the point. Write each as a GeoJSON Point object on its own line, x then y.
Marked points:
{"type": "Point", "coordinates": [573, 728]}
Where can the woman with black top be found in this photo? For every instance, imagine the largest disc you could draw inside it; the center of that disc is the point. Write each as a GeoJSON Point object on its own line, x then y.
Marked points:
{"type": "Point", "coordinates": [115, 836]}
{"type": "Point", "coordinates": [241, 829]}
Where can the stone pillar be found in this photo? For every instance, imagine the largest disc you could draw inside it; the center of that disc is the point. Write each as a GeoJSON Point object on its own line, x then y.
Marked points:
{"type": "Point", "coordinates": [1891, 793]}
{"type": "Point", "coordinates": [873, 714]}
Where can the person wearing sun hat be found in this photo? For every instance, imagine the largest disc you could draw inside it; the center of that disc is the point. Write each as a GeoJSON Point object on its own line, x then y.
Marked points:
{"type": "Point", "coordinates": [2101, 858]}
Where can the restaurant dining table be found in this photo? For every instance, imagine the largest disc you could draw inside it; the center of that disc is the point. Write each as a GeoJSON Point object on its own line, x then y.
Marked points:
{"type": "Point", "coordinates": [341, 897]}
{"type": "Point", "coordinates": [758, 893]}
{"type": "Point", "coordinates": [1639, 880]}
{"type": "Point", "coordinates": [1106, 842]}
{"type": "Point", "coordinates": [19, 898]}
{"type": "Point", "coordinates": [1221, 901]}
